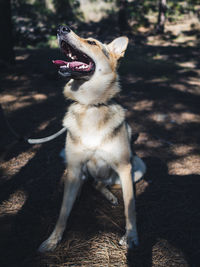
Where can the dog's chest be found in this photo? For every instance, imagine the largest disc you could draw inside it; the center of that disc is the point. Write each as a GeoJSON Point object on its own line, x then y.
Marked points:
{"type": "Point", "coordinates": [92, 128]}
{"type": "Point", "coordinates": [88, 126]}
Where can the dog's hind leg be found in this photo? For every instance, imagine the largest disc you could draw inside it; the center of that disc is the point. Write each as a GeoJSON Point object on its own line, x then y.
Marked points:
{"type": "Point", "coordinates": [106, 193]}
{"type": "Point", "coordinates": [73, 183]}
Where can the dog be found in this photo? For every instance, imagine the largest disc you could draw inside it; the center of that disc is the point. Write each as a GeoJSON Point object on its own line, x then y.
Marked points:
{"type": "Point", "coordinates": [98, 141]}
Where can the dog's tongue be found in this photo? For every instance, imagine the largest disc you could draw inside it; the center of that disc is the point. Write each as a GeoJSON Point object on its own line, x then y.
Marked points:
{"type": "Point", "coordinates": [72, 64]}
{"type": "Point", "coordinates": [59, 62]}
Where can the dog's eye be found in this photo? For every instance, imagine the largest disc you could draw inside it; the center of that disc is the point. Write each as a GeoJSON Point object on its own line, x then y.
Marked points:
{"type": "Point", "coordinates": [91, 42]}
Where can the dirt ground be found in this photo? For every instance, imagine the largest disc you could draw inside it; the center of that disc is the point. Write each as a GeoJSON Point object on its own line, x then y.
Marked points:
{"type": "Point", "coordinates": [161, 91]}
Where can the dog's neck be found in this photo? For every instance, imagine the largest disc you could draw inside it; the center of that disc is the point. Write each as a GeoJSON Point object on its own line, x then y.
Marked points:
{"type": "Point", "coordinates": [94, 91]}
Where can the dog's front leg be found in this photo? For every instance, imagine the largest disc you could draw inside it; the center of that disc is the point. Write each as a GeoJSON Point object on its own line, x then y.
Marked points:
{"type": "Point", "coordinates": [131, 236]}
{"type": "Point", "coordinates": [73, 181]}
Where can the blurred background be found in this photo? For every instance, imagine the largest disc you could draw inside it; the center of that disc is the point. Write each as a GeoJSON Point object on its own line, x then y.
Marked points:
{"type": "Point", "coordinates": [32, 23]}
{"type": "Point", "coordinates": [160, 78]}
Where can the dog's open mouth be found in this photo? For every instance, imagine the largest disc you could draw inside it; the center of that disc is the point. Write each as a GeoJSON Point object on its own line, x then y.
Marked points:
{"type": "Point", "coordinates": [77, 64]}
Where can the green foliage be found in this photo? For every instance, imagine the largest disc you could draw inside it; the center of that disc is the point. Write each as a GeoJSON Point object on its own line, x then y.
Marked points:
{"type": "Point", "coordinates": [35, 20]}
{"type": "Point", "coordinates": [138, 10]}
{"type": "Point", "coordinates": [40, 7]}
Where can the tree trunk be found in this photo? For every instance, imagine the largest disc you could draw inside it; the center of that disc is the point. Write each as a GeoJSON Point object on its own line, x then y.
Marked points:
{"type": "Point", "coordinates": [63, 9]}
{"type": "Point", "coordinates": [4, 132]}
{"type": "Point", "coordinates": [161, 16]}
{"type": "Point", "coordinates": [122, 15]}
{"type": "Point", "coordinates": [6, 43]}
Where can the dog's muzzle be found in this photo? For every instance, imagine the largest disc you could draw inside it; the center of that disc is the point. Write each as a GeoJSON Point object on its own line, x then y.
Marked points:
{"type": "Point", "coordinates": [63, 30]}
{"type": "Point", "coordinates": [76, 64]}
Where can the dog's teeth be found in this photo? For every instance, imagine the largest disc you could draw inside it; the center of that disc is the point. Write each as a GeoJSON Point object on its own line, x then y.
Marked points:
{"type": "Point", "coordinates": [67, 65]}
{"type": "Point", "coordinates": [70, 55]}
{"type": "Point", "coordinates": [81, 67]}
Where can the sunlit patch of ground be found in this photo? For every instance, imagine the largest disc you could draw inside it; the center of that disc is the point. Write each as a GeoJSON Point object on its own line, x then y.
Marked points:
{"type": "Point", "coordinates": [188, 164]}
{"type": "Point", "coordinates": [13, 204]}
{"type": "Point", "coordinates": [180, 31]}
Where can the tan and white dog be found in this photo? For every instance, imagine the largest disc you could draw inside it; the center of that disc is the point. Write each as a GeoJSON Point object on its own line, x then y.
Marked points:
{"type": "Point", "coordinates": [98, 139]}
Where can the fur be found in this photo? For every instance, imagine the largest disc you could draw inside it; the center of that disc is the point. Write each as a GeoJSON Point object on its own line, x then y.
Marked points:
{"type": "Point", "coordinates": [98, 142]}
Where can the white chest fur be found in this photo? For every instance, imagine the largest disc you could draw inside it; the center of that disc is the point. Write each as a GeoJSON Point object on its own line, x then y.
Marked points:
{"type": "Point", "coordinates": [91, 125]}
{"type": "Point", "coordinates": [92, 131]}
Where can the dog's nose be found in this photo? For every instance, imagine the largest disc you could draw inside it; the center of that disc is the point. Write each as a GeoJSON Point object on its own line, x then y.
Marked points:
{"type": "Point", "coordinates": [63, 30]}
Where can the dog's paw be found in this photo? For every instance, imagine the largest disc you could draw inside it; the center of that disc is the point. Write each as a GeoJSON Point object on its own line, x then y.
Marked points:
{"type": "Point", "coordinates": [48, 245]}
{"type": "Point", "coordinates": [130, 241]}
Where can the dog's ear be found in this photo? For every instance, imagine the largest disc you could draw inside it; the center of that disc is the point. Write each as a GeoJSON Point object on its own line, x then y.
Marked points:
{"type": "Point", "coordinates": [118, 46]}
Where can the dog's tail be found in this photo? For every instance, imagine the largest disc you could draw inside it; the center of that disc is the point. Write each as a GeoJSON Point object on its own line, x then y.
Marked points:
{"type": "Point", "coordinates": [139, 169]}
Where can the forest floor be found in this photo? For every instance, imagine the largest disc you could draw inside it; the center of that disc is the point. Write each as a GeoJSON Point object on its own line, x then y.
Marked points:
{"type": "Point", "coordinates": [161, 91]}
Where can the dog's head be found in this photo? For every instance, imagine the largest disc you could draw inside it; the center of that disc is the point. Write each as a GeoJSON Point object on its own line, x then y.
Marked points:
{"type": "Point", "coordinates": [91, 65]}
{"type": "Point", "coordinates": [86, 57]}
